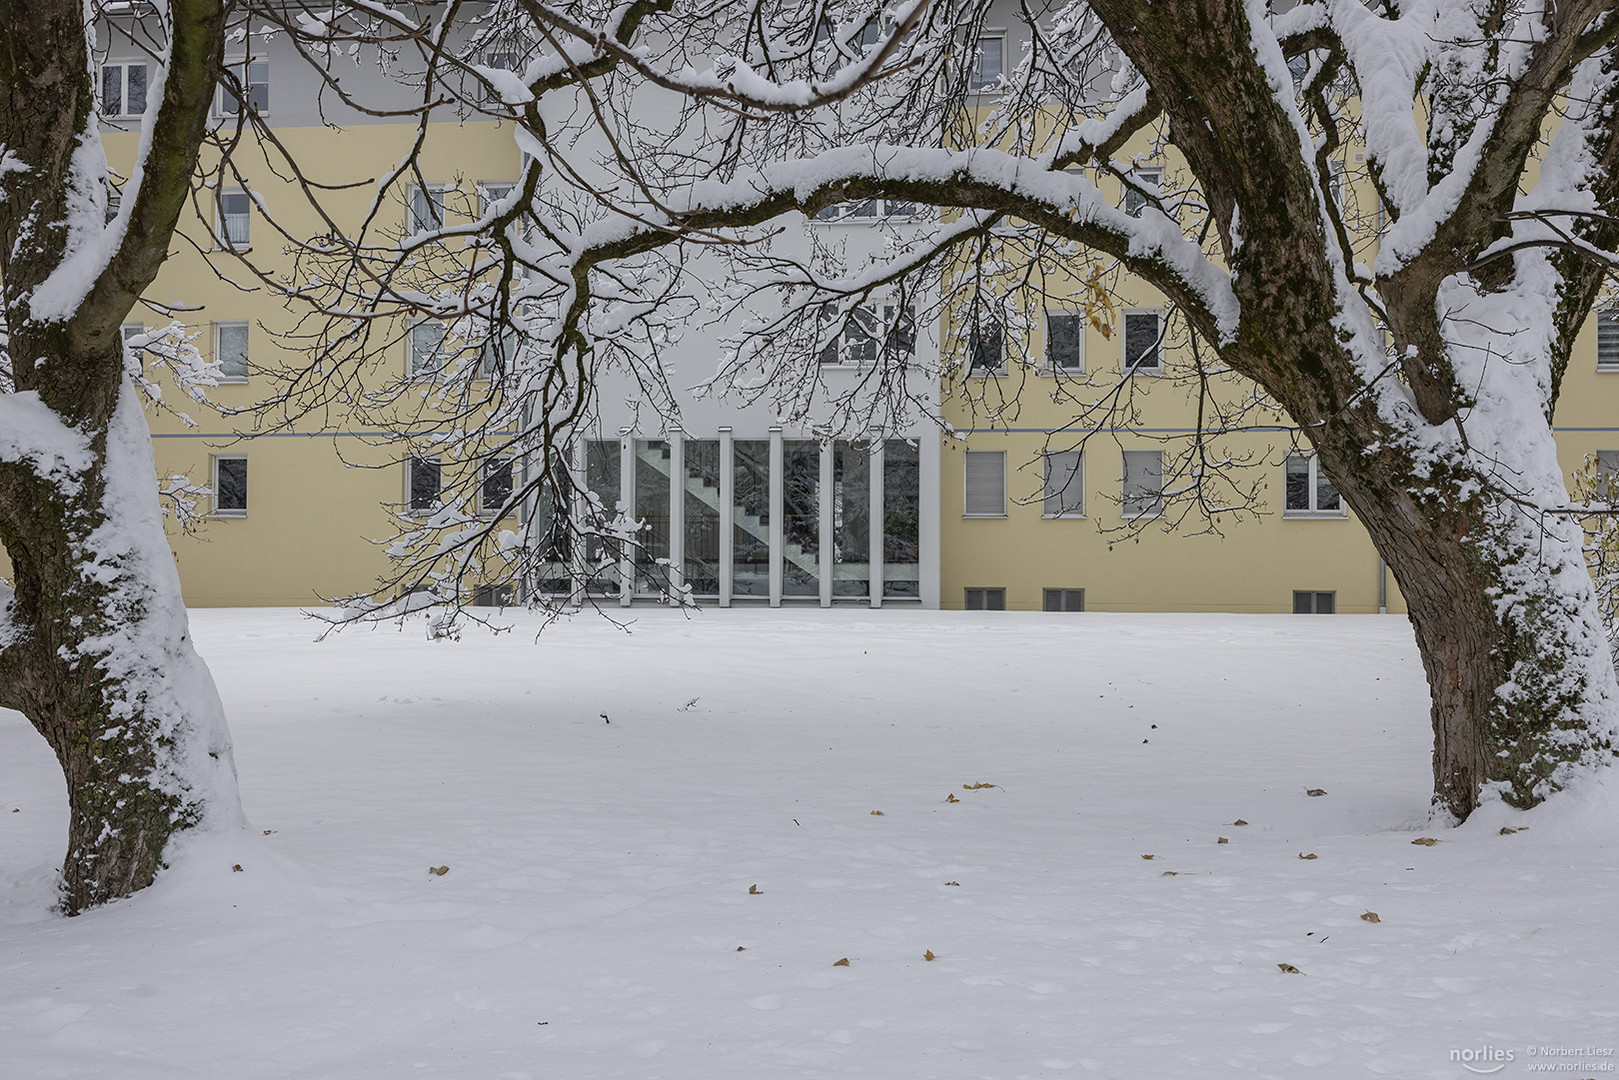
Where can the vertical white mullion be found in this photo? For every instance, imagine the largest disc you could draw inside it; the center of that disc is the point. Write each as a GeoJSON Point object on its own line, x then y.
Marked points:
{"type": "Point", "coordinates": [777, 549]}
{"type": "Point", "coordinates": [876, 489]}
{"type": "Point", "coordinates": [677, 514]}
{"type": "Point", "coordinates": [577, 472]}
{"type": "Point", "coordinates": [727, 514]}
{"type": "Point", "coordinates": [626, 499]}
{"type": "Point", "coordinates": [827, 563]}
{"type": "Point", "coordinates": [928, 540]}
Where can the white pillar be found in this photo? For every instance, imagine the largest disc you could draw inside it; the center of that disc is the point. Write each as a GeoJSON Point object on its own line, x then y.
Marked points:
{"type": "Point", "coordinates": [626, 503]}
{"type": "Point", "coordinates": [776, 547]}
{"type": "Point", "coordinates": [677, 515]}
{"type": "Point", "coordinates": [727, 514]}
{"type": "Point", "coordinates": [827, 562]}
{"type": "Point", "coordinates": [927, 444]}
{"type": "Point", "coordinates": [576, 514]}
{"type": "Point", "coordinates": [875, 486]}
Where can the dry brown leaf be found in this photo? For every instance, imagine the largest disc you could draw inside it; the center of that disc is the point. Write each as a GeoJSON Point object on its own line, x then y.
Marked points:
{"type": "Point", "coordinates": [438, 871]}
{"type": "Point", "coordinates": [1239, 821]}
{"type": "Point", "coordinates": [978, 786]}
{"type": "Point", "coordinates": [1506, 830]}
{"type": "Point", "coordinates": [741, 948]}
{"type": "Point", "coordinates": [1170, 873]}
{"type": "Point", "coordinates": [1290, 969]}
{"type": "Point", "coordinates": [1370, 916]}
{"type": "Point", "coordinates": [876, 813]}
{"type": "Point", "coordinates": [1315, 791]}
{"type": "Point", "coordinates": [952, 883]}
{"type": "Point", "coordinates": [841, 963]}
{"type": "Point", "coordinates": [1149, 856]}
{"type": "Point", "coordinates": [1425, 841]}
{"type": "Point", "coordinates": [1221, 840]}
{"type": "Point", "coordinates": [1302, 855]}
{"type": "Point", "coordinates": [753, 890]}
{"type": "Point", "coordinates": [929, 955]}
{"type": "Point", "coordinates": [237, 869]}
{"type": "Point", "coordinates": [951, 797]}
{"type": "Point", "coordinates": [267, 832]}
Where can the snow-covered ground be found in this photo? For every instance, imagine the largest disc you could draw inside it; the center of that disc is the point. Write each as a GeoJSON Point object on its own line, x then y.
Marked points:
{"type": "Point", "coordinates": [598, 917]}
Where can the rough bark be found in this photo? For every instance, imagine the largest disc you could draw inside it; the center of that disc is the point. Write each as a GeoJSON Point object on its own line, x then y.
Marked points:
{"type": "Point", "coordinates": [96, 651]}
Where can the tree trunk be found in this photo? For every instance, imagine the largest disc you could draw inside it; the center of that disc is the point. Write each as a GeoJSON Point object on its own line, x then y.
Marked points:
{"type": "Point", "coordinates": [100, 658]}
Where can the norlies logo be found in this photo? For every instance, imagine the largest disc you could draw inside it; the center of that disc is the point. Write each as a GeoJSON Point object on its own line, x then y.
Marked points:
{"type": "Point", "coordinates": [1483, 1060]}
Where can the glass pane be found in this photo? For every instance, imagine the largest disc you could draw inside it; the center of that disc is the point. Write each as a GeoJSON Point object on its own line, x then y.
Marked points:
{"type": "Point", "coordinates": [851, 520]}
{"type": "Point", "coordinates": [602, 470]}
{"type": "Point", "coordinates": [1141, 339]}
{"type": "Point", "coordinates": [424, 484]}
{"type": "Point", "coordinates": [232, 352]}
{"type": "Point", "coordinates": [1298, 483]}
{"type": "Point", "coordinates": [112, 90]}
{"type": "Point", "coordinates": [1065, 342]}
{"type": "Point", "coordinates": [1143, 481]}
{"type": "Point", "coordinates": [233, 206]}
{"type": "Point", "coordinates": [1303, 603]}
{"type": "Point", "coordinates": [1325, 603]}
{"type": "Point", "coordinates": [750, 543]}
{"type": "Point", "coordinates": [497, 486]}
{"type": "Point", "coordinates": [652, 463]}
{"type": "Point", "coordinates": [984, 347]}
{"type": "Point", "coordinates": [551, 531]}
{"type": "Point", "coordinates": [231, 484]}
{"type": "Point", "coordinates": [801, 518]}
{"type": "Point", "coordinates": [426, 341]}
{"type": "Point", "coordinates": [703, 516]}
{"type": "Point", "coordinates": [258, 85]}
{"type": "Point", "coordinates": [1064, 487]}
{"type": "Point", "coordinates": [902, 516]}
{"type": "Point", "coordinates": [137, 89]}
{"type": "Point", "coordinates": [987, 70]}
{"type": "Point", "coordinates": [1326, 496]}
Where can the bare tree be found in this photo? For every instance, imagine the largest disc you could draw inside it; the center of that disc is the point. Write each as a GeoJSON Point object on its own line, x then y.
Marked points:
{"type": "Point", "coordinates": [665, 148]}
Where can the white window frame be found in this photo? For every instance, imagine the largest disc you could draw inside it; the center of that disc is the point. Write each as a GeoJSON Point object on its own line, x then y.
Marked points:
{"type": "Point", "coordinates": [413, 223]}
{"type": "Point", "coordinates": [969, 347]}
{"type": "Point", "coordinates": [486, 196]}
{"type": "Point", "coordinates": [1607, 343]}
{"type": "Point", "coordinates": [877, 315]}
{"type": "Point", "coordinates": [1073, 489]}
{"type": "Point", "coordinates": [1134, 201]}
{"type": "Point", "coordinates": [1051, 367]}
{"type": "Point", "coordinates": [213, 470]}
{"type": "Point", "coordinates": [411, 509]}
{"type": "Point", "coordinates": [122, 67]}
{"type": "Point", "coordinates": [1157, 509]}
{"type": "Point", "coordinates": [222, 220]}
{"type": "Point", "coordinates": [1315, 490]}
{"type": "Point", "coordinates": [243, 66]}
{"type": "Point", "coordinates": [486, 511]}
{"type": "Point", "coordinates": [219, 329]}
{"type": "Point", "coordinates": [975, 85]}
{"type": "Point", "coordinates": [985, 592]}
{"type": "Point", "coordinates": [490, 58]}
{"type": "Point", "coordinates": [414, 367]}
{"type": "Point", "coordinates": [869, 210]}
{"type": "Point", "coordinates": [985, 456]}
{"type": "Point", "coordinates": [1125, 366]}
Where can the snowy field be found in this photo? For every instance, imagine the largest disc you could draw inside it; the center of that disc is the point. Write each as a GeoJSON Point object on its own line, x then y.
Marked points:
{"type": "Point", "coordinates": [598, 917]}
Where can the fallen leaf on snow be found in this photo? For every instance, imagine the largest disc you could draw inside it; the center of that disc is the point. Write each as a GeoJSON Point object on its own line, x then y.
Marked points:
{"type": "Point", "coordinates": [1290, 969]}
{"type": "Point", "coordinates": [1506, 830]}
{"type": "Point", "coordinates": [741, 948]}
{"type": "Point", "coordinates": [929, 955]}
{"type": "Point", "coordinates": [237, 869]}
{"type": "Point", "coordinates": [1221, 840]}
{"type": "Point", "coordinates": [952, 883]}
{"type": "Point", "coordinates": [876, 813]}
{"type": "Point", "coordinates": [978, 786]}
{"type": "Point", "coordinates": [1302, 855]}
{"type": "Point", "coordinates": [951, 797]}
{"type": "Point", "coordinates": [753, 890]}
{"type": "Point", "coordinates": [1239, 821]}
{"type": "Point", "coordinates": [438, 871]}
{"type": "Point", "coordinates": [841, 963]}
{"type": "Point", "coordinates": [1370, 916]}
{"type": "Point", "coordinates": [1170, 873]}
{"type": "Point", "coordinates": [1149, 856]}
{"type": "Point", "coordinates": [1315, 791]}
{"type": "Point", "coordinates": [1425, 841]}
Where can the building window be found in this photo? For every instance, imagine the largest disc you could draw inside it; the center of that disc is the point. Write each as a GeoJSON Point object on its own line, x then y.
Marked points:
{"type": "Point", "coordinates": [254, 77]}
{"type": "Point", "coordinates": [123, 90]}
{"type": "Point", "coordinates": [989, 64]}
{"type": "Point", "coordinates": [986, 348]}
{"type": "Point", "coordinates": [870, 331]}
{"type": "Point", "coordinates": [230, 485]}
{"type": "Point", "coordinates": [1065, 342]}
{"type": "Point", "coordinates": [491, 192]}
{"type": "Point", "coordinates": [115, 200]}
{"type": "Point", "coordinates": [1314, 603]}
{"type": "Point", "coordinates": [234, 226]}
{"type": "Point", "coordinates": [986, 600]}
{"type": "Point", "coordinates": [1143, 483]}
{"type": "Point", "coordinates": [1063, 484]}
{"type": "Point", "coordinates": [1335, 183]}
{"type": "Point", "coordinates": [1607, 465]}
{"type": "Point", "coordinates": [1135, 200]}
{"type": "Point", "coordinates": [1062, 600]}
{"type": "Point", "coordinates": [1308, 489]}
{"type": "Point", "coordinates": [426, 207]}
{"type": "Point", "coordinates": [424, 477]}
{"type": "Point", "coordinates": [496, 489]}
{"type": "Point", "coordinates": [129, 331]}
{"type": "Point", "coordinates": [425, 345]}
{"type": "Point", "coordinates": [986, 483]}
{"type": "Point", "coordinates": [1608, 338]}
{"type": "Point", "coordinates": [500, 61]}
{"type": "Point", "coordinates": [493, 596]}
{"type": "Point", "coordinates": [1143, 341]}
{"type": "Point", "coordinates": [869, 210]}
{"type": "Point", "coordinates": [230, 351]}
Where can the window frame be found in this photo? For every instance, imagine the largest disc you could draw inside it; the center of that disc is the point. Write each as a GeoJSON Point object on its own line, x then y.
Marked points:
{"type": "Point", "coordinates": [122, 66]}
{"type": "Point", "coordinates": [1076, 481]}
{"type": "Point", "coordinates": [243, 65]}
{"type": "Point", "coordinates": [496, 465]}
{"type": "Point", "coordinates": [974, 84]}
{"type": "Point", "coordinates": [1046, 595]}
{"type": "Point", "coordinates": [1152, 175]}
{"type": "Point", "coordinates": [486, 199]}
{"type": "Point", "coordinates": [1157, 510]}
{"type": "Point", "coordinates": [986, 593]}
{"type": "Point", "coordinates": [412, 222]}
{"type": "Point", "coordinates": [1315, 596]}
{"type": "Point", "coordinates": [411, 507]}
{"type": "Point", "coordinates": [1314, 511]}
{"type": "Point", "coordinates": [1609, 312]}
{"type": "Point", "coordinates": [222, 220]}
{"type": "Point", "coordinates": [213, 476]}
{"type": "Point", "coordinates": [1049, 366]}
{"type": "Point", "coordinates": [414, 368]}
{"type": "Point", "coordinates": [972, 344]}
{"type": "Point", "coordinates": [966, 484]}
{"type": "Point", "coordinates": [245, 327]}
{"type": "Point", "coordinates": [848, 213]}
{"type": "Point", "coordinates": [880, 312]}
{"type": "Point", "coordinates": [1139, 369]}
